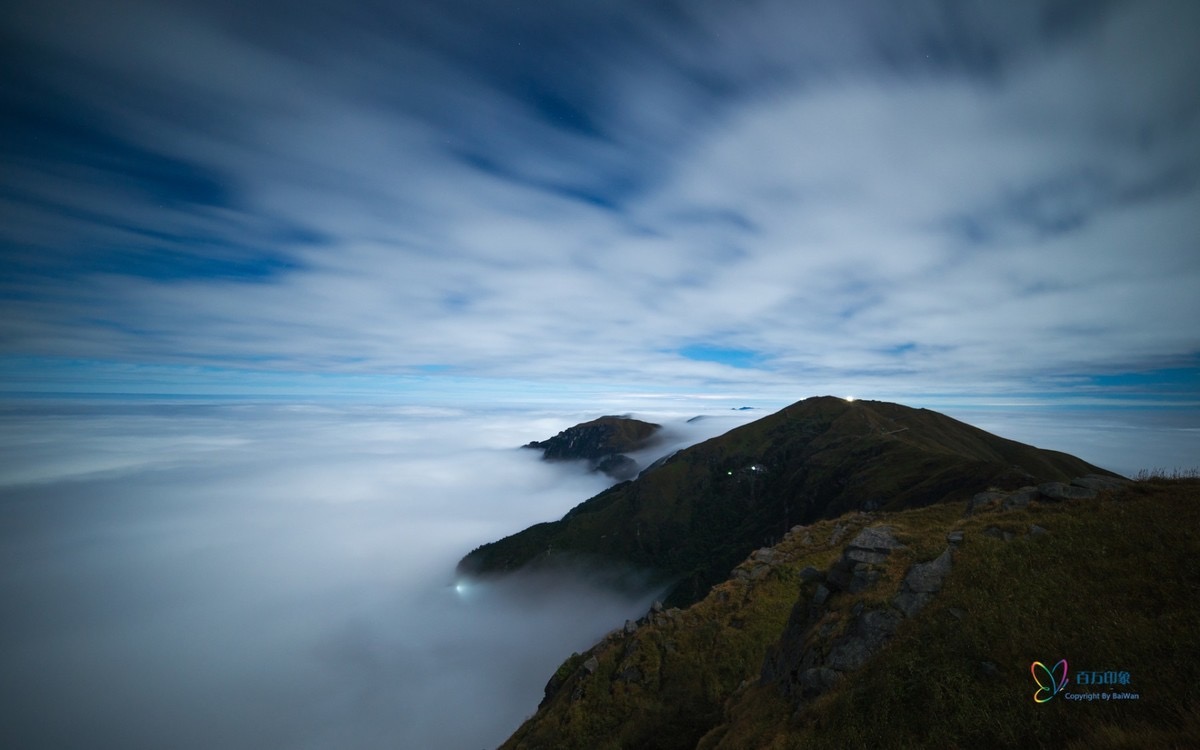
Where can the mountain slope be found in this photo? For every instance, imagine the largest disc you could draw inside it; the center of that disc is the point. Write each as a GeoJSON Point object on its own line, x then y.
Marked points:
{"type": "Point", "coordinates": [695, 515]}
{"type": "Point", "coordinates": [1110, 584]}
{"type": "Point", "coordinates": [602, 443]}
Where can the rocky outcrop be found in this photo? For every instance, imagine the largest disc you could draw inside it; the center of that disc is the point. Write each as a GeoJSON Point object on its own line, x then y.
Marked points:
{"type": "Point", "coordinates": [859, 566]}
{"type": "Point", "coordinates": [602, 443]}
{"type": "Point", "coordinates": [1080, 488]}
{"type": "Point", "coordinates": [809, 658]}
{"type": "Point", "coordinates": [922, 582]}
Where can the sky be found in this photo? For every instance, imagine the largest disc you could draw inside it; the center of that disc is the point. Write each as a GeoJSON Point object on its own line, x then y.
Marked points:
{"type": "Point", "coordinates": [965, 203]}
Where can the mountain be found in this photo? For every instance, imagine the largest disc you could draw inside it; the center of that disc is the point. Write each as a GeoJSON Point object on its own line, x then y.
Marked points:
{"type": "Point", "coordinates": [602, 442]}
{"type": "Point", "coordinates": [692, 517]}
{"type": "Point", "coordinates": [919, 628]}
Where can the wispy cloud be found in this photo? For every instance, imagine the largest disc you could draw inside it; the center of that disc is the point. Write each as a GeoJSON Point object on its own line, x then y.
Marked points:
{"type": "Point", "coordinates": [970, 200]}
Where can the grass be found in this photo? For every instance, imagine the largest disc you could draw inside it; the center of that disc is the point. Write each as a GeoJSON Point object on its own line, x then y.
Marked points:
{"type": "Point", "coordinates": [1114, 585]}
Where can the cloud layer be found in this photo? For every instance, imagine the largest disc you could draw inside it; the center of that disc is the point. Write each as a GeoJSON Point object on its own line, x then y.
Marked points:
{"type": "Point", "coordinates": [197, 576]}
{"type": "Point", "coordinates": [948, 198]}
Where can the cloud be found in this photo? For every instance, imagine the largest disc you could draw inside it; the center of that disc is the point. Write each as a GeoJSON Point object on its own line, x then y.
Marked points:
{"type": "Point", "coordinates": [980, 197]}
{"type": "Point", "coordinates": [195, 575]}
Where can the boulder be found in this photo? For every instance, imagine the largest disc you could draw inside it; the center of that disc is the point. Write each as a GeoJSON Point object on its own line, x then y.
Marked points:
{"type": "Point", "coordinates": [979, 501]}
{"type": "Point", "coordinates": [1020, 499]}
{"type": "Point", "coordinates": [879, 538]}
{"type": "Point", "coordinates": [764, 555]}
{"type": "Point", "coordinates": [1060, 491]}
{"type": "Point", "coordinates": [921, 583]}
{"type": "Point", "coordinates": [810, 574]}
{"type": "Point", "coordinates": [1099, 483]}
{"type": "Point", "coordinates": [926, 578]}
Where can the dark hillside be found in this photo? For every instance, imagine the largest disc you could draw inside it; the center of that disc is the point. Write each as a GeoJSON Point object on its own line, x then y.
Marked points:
{"type": "Point", "coordinates": [694, 516]}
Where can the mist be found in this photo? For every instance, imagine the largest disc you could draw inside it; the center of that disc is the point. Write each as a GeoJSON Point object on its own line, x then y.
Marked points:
{"type": "Point", "coordinates": [201, 575]}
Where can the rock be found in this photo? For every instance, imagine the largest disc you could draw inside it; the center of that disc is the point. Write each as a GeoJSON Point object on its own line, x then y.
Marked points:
{"type": "Point", "coordinates": [1060, 491]}
{"type": "Point", "coordinates": [867, 634]}
{"type": "Point", "coordinates": [954, 537]}
{"type": "Point", "coordinates": [878, 538]}
{"type": "Point", "coordinates": [764, 555]}
{"type": "Point", "coordinates": [1020, 499]}
{"type": "Point", "coordinates": [1036, 530]}
{"type": "Point", "coordinates": [926, 578]}
{"type": "Point", "coordinates": [810, 574]}
{"type": "Point", "coordinates": [855, 570]}
{"type": "Point", "coordinates": [921, 583]}
{"type": "Point", "coordinates": [862, 578]}
{"type": "Point", "coordinates": [820, 595]}
{"type": "Point", "coordinates": [993, 532]}
{"type": "Point", "coordinates": [957, 613]}
{"type": "Point", "coordinates": [851, 653]}
{"type": "Point", "coordinates": [760, 572]}
{"type": "Point", "coordinates": [1099, 483]}
{"type": "Point", "coordinates": [910, 603]}
{"type": "Point", "coordinates": [988, 669]}
{"type": "Point", "coordinates": [866, 556]}
{"type": "Point", "coordinates": [591, 665]}
{"type": "Point", "coordinates": [979, 501]}
{"type": "Point", "coordinates": [630, 627]}
{"type": "Point", "coordinates": [657, 606]}
{"type": "Point", "coordinates": [872, 545]}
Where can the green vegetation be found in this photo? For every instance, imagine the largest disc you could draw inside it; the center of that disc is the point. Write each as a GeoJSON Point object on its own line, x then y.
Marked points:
{"type": "Point", "coordinates": [1112, 584]}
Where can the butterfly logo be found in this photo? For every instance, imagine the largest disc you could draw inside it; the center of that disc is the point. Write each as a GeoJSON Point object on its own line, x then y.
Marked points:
{"type": "Point", "coordinates": [1048, 686]}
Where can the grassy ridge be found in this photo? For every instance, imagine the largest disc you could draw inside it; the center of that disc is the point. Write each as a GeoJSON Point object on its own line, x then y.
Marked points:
{"type": "Point", "coordinates": [698, 514]}
{"type": "Point", "coordinates": [1113, 585]}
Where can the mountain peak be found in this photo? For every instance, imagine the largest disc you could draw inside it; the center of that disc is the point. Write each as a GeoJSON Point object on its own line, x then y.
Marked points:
{"type": "Point", "coordinates": [602, 442]}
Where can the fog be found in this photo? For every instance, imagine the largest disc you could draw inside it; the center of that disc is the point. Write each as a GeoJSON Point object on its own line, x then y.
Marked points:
{"type": "Point", "coordinates": [257, 576]}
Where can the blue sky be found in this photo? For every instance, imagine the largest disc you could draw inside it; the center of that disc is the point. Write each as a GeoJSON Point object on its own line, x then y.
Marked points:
{"type": "Point", "coordinates": [969, 201]}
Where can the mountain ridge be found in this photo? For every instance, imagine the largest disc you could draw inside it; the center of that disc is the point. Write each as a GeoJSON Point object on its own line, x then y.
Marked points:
{"type": "Point", "coordinates": [693, 516]}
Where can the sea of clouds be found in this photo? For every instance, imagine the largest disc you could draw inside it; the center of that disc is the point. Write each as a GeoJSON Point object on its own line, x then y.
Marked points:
{"type": "Point", "coordinates": [195, 575]}
{"type": "Point", "coordinates": [258, 575]}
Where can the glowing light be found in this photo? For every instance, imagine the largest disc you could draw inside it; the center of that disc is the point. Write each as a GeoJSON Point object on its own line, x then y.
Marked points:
{"type": "Point", "coordinates": [850, 399]}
